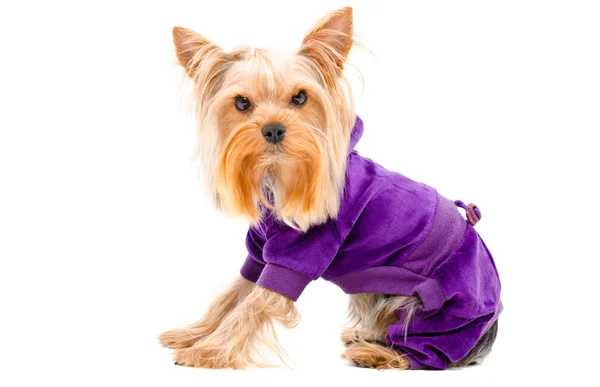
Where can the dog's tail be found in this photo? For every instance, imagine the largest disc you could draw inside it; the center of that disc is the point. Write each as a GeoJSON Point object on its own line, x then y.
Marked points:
{"type": "Point", "coordinates": [473, 212]}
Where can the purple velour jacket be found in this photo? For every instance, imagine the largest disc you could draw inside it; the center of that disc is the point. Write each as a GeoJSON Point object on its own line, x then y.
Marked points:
{"type": "Point", "coordinates": [392, 235]}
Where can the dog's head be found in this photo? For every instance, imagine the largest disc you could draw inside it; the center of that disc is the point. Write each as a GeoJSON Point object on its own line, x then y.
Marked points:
{"type": "Point", "coordinates": [274, 128]}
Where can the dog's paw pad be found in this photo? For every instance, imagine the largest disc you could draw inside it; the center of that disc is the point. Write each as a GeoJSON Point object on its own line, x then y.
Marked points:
{"type": "Point", "coordinates": [362, 364]}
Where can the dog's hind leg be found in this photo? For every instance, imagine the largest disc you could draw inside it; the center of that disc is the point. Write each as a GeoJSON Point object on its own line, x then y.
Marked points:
{"type": "Point", "coordinates": [370, 315]}
{"type": "Point", "coordinates": [217, 311]}
{"type": "Point", "coordinates": [362, 326]}
{"type": "Point", "coordinates": [481, 350]}
{"type": "Point", "coordinates": [377, 356]}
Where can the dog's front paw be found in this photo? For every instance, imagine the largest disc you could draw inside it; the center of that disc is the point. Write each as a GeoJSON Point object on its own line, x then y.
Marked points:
{"type": "Point", "coordinates": [207, 356]}
{"type": "Point", "coordinates": [179, 338]}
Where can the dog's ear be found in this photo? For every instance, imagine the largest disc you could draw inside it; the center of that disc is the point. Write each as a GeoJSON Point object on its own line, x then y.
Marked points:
{"type": "Point", "coordinates": [329, 42]}
{"type": "Point", "coordinates": [194, 50]}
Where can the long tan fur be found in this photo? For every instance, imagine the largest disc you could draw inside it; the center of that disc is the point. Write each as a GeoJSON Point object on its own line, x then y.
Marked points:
{"type": "Point", "coordinates": [370, 314]}
{"type": "Point", "coordinates": [217, 311]}
{"type": "Point", "coordinates": [369, 355]}
{"type": "Point", "coordinates": [250, 325]}
{"type": "Point", "coordinates": [302, 179]}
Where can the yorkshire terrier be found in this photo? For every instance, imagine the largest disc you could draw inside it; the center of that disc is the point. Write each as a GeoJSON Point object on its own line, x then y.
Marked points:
{"type": "Point", "coordinates": [276, 138]}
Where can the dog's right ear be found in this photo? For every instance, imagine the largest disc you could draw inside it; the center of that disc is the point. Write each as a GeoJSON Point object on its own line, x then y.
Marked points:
{"type": "Point", "coordinates": [195, 51]}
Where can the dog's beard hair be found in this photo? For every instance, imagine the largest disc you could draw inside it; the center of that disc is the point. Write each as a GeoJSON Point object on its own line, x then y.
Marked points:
{"type": "Point", "coordinates": [290, 181]}
{"type": "Point", "coordinates": [243, 164]}
{"type": "Point", "coordinates": [299, 182]}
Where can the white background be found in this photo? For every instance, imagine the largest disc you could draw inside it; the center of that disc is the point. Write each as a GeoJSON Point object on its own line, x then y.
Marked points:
{"type": "Point", "coordinates": [106, 239]}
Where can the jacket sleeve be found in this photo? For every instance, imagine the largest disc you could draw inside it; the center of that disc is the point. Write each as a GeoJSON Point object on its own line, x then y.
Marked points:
{"type": "Point", "coordinates": [293, 259]}
{"type": "Point", "coordinates": [254, 264]}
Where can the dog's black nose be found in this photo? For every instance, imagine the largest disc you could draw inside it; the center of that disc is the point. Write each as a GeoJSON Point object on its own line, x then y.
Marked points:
{"type": "Point", "coordinates": [273, 133]}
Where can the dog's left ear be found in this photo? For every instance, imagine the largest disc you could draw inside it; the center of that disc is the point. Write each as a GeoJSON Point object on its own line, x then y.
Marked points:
{"type": "Point", "coordinates": [329, 42]}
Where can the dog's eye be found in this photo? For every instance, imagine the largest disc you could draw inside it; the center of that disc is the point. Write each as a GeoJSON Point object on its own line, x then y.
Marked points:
{"type": "Point", "coordinates": [242, 103]}
{"type": "Point", "coordinates": [300, 98]}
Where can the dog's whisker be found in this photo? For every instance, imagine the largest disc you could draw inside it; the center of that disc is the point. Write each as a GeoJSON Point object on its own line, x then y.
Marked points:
{"type": "Point", "coordinates": [321, 133]}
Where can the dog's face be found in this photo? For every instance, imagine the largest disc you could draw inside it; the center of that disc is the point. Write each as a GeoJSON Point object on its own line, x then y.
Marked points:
{"type": "Point", "coordinates": [273, 128]}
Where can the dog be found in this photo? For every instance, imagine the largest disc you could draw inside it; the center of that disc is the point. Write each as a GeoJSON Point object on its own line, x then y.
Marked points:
{"type": "Point", "coordinates": [276, 138]}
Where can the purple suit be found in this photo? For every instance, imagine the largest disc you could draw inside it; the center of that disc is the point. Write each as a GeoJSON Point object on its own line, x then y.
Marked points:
{"type": "Point", "coordinates": [393, 236]}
